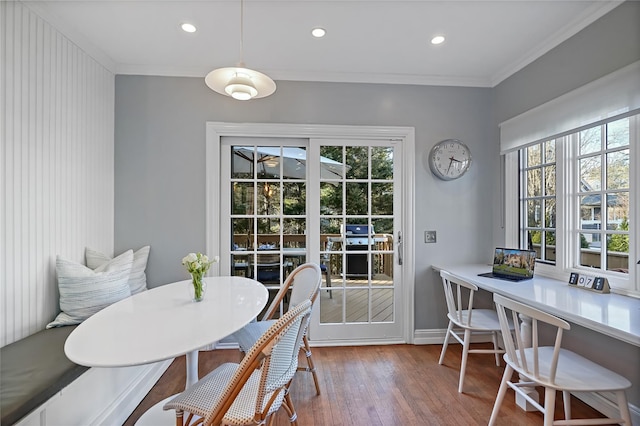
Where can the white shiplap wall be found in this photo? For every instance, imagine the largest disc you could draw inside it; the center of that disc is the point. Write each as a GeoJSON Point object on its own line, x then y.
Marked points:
{"type": "Point", "coordinates": [56, 164]}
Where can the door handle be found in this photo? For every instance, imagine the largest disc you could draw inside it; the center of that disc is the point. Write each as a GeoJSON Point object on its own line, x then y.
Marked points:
{"type": "Point", "coordinates": [400, 247]}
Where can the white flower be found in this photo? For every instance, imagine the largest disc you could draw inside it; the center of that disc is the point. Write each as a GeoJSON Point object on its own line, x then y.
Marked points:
{"type": "Point", "coordinates": [191, 257]}
{"type": "Point", "coordinates": [216, 259]}
{"type": "Point", "coordinates": [204, 259]}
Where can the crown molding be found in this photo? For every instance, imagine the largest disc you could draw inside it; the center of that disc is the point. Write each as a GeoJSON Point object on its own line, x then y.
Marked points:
{"type": "Point", "coordinates": [589, 16]}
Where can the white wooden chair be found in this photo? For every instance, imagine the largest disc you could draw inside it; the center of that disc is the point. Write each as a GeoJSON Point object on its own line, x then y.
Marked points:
{"type": "Point", "coordinates": [554, 368]}
{"type": "Point", "coordinates": [249, 393]}
{"type": "Point", "coordinates": [304, 283]}
{"type": "Point", "coordinates": [464, 321]}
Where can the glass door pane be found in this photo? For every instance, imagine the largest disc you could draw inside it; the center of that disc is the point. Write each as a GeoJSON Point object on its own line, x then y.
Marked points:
{"type": "Point", "coordinates": [268, 217]}
{"type": "Point", "coordinates": [356, 234]}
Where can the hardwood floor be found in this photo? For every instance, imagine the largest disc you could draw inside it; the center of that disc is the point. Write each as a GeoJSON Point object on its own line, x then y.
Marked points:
{"type": "Point", "coordinates": [382, 385]}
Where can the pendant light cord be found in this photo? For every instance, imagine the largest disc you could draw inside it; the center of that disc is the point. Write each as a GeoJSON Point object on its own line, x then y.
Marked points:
{"type": "Point", "coordinates": [242, 33]}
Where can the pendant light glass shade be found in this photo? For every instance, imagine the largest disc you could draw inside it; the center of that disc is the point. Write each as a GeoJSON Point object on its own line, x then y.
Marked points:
{"type": "Point", "coordinates": [239, 82]}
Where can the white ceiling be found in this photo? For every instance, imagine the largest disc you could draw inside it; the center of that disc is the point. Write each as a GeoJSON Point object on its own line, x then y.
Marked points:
{"type": "Point", "coordinates": [366, 41]}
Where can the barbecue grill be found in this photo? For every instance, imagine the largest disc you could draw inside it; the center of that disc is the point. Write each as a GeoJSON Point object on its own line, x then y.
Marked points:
{"type": "Point", "coordinates": [358, 238]}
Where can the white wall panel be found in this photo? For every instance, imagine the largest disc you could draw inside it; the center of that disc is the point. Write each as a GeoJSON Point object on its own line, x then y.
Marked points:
{"type": "Point", "coordinates": [57, 164]}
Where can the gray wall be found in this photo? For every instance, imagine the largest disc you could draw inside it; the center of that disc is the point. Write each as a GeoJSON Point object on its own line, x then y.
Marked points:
{"type": "Point", "coordinates": [608, 44]}
{"type": "Point", "coordinates": [160, 164]}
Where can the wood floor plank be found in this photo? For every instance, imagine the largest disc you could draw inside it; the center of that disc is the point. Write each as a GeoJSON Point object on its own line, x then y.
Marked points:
{"type": "Point", "coordinates": [382, 385]}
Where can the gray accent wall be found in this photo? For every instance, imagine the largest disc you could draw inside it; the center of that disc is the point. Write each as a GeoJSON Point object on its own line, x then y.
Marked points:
{"type": "Point", "coordinates": [607, 45]}
{"type": "Point", "coordinates": [160, 164]}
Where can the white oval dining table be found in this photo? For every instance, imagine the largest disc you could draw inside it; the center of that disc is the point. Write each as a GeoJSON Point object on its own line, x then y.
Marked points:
{"type": "Point", "coordinates": [164, 323]}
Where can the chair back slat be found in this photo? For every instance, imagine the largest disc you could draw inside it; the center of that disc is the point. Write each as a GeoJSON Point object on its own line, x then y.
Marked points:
{"type": "Point", "coordinates": [459, 311]}
{"type": "Point", "coordinates": [523, 355]}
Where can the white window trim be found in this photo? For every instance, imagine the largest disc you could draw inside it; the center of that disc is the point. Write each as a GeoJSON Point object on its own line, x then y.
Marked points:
{"type": "Point", "coordinates": [565, 245]}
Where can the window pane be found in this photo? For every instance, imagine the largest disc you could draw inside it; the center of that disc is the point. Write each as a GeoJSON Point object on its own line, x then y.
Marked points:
{"type": "Point", "coordinates": [269, 198]}
{"type": "Point", "coordinates": [534, 182]}
{"type": "Point", "coordinates": [330, 198]}
{"type": "Point", "coordinates": [550, 180]}
{"type": "Point", "coordinates": [590, 140]}
{"type": "Point", "coordinates": [294, 233]}
{"type": "Point", "coordinates": [590, 212]}
{"type": "Point", "coordinates": [242, 162]}
{"type": "Point", "coordinates": [242, 230]}
{"type": "Point", "coordinates": [550, 213]}
{"type": "Point", "coordinates": [242, 202]}
{"type": "Point", "coordinates": [382, 163]}
{"type": "Point", "coordinates": [383, 226]}
{"type": "Point", "coordinates": [618, 211]}
{"type": "Point", "coordinates": [357, 201]}
{"type": "Point", "coordinates": [618, 133]}
{"type": "Point", "coordinates": [295, 198]}
{"type": "Point", "coordinates": [534, 214]}
{"type": "Point", "coordinates": [268, 233]}
{"type": "Point", "coordinates": [550, 249]}
{"type": "Point", "coordinates": [618, 169]}
{"type": "Point", "coordinates": [533, 156]}
{"type": "Point", "coordinates": [381, 198]}
{"type": "Point", "coordinates": [357, 161]}
{"type": "Point", "coordinates": [550, 151]}
{"type": "Point", "coordinates": [590, 173]}
{"type": "Point", "coordinates": [590, 249]}
{"type": "Point", "coordinates": [268, 162]}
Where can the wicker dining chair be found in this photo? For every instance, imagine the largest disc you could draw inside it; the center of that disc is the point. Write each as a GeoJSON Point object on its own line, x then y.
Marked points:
{"type": "Point", "coordinates": [304, 283]}
{"type": "Point", "coordinates": [552, 367]}
{"type": "Point", "coordinates": [465, 320]}
{"type": "Point", "coordinates": [249, 393]}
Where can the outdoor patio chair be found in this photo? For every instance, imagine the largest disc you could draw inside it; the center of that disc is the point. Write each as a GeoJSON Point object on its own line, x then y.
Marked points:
{"type": "Point", "coordinates": [304, 283]}
{"type": "Point", "coordinates": [249, 393]}
{"type": "Point", "coordinates": [464, 321]}
{"type": "Point", "coordinates": [554, 368]}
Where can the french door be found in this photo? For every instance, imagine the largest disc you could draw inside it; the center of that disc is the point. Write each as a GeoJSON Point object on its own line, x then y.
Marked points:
{"type": "Point", "coordinates": [287, 200]}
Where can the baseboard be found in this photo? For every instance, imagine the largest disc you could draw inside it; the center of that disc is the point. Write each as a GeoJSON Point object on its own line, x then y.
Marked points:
{"type": "Point", "coordinates": [604, 402]}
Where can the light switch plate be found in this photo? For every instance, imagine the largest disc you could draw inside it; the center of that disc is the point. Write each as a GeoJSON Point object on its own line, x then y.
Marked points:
{"type": "Point", "coordinates": [429, 237]}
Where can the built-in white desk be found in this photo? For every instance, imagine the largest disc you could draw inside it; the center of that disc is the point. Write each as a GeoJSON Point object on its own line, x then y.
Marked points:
{"type": "Point", "coordinates": [613, 315]}
{"type": "Point", "coordinates": [610, 314]}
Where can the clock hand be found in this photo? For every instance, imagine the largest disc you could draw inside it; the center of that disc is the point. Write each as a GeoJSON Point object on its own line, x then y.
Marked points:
{"type": "Point", "coordinates": [450, 162]}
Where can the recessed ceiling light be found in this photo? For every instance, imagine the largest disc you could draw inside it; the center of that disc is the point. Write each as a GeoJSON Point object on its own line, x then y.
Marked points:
{"type": "Point", "coordinates": [437, 40]}
{"type": "Point", "coordinates": [318, 32]}
{"type": "Point", "coordinates": [188, 28]}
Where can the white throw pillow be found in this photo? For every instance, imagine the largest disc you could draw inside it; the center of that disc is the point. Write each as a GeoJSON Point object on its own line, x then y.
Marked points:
{"type": "Point", "coordinates": [83, 291]}
{"type": "Point", "coordinates": [137, 279]}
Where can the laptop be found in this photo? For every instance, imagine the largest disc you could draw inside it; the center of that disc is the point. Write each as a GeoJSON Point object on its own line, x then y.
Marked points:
{"type": "Point", "coordinates": [512, 264]}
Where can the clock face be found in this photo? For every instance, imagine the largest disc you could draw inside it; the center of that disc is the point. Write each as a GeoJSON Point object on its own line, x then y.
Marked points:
{"type": "Point", "coordinates": [449, 159]}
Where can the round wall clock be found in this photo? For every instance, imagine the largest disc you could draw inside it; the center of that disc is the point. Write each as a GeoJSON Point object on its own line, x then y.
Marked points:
{"type": "Point", "coordinates": [449, 159]}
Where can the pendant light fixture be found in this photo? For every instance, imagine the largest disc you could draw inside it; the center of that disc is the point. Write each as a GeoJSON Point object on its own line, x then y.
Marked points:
{"type": "Point", "coordinates": [239, 82]}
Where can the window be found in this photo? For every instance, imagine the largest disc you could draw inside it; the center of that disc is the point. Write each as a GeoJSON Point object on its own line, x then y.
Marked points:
{"type": "Point", "coordinates": [603, 197]}
{"type": "Point", "coordinates": [584, 180]}
{"type": "Point", "coordinates": [538, 199]}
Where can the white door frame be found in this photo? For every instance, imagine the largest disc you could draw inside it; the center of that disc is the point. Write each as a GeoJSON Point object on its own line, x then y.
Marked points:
{"type": "Point", "coordinates": [216, 130]}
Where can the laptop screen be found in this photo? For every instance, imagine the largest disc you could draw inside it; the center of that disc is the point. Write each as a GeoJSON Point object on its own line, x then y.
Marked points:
{"type": "Point", "coordinates": [514, 262]}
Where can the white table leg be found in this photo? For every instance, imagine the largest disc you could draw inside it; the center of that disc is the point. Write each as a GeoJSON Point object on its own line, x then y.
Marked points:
{"type": "Point", "coordinates": [192, 368]}
{"type": "Point", "coordinates": [525, 330]}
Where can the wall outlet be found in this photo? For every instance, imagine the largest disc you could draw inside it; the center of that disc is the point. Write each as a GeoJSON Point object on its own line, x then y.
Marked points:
{"type": "Point", "coordinates": [429, 236]}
